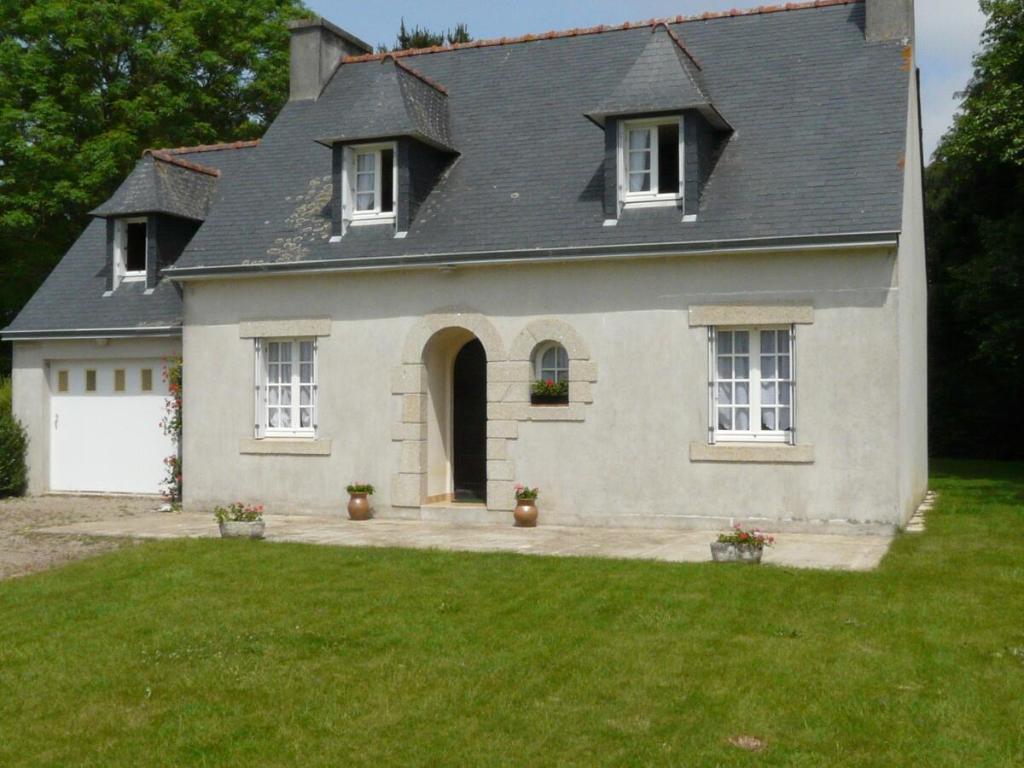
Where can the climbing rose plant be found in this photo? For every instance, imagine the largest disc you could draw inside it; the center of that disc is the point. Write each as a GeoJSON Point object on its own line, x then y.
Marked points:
{"type": "Point", "coordinates": [171, 425]}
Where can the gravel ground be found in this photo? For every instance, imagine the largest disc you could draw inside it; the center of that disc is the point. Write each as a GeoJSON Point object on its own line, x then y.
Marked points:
{"type": "Point", "coordinates": [22, 550]}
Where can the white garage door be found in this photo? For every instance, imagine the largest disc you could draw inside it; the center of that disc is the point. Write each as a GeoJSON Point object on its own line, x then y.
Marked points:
{"type": "Point", "coordinates": [105, 433]}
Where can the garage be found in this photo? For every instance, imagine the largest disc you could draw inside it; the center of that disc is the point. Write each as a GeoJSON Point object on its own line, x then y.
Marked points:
{"type": "Point", "coordinates": [105, 433]}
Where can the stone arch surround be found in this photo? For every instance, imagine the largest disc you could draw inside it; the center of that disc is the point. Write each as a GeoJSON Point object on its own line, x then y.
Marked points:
{"type": "Point", "coordinates": [509, 374]}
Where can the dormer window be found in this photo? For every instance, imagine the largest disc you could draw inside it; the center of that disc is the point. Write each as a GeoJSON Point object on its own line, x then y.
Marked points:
{"type": "Point", "coordinates": [130, 249]}
{"type": "Point", "coordinates": [651, 161]}
{"type": "Point", "coordinates": [371, 183]}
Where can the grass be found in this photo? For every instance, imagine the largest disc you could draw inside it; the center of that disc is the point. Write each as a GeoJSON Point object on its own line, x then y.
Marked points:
{"type": "Point", "coordinates": [205, 653]}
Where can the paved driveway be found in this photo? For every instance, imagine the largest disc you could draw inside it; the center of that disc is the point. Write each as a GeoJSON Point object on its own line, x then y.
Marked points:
{"type": "Point", "coordinates": [833, 551]}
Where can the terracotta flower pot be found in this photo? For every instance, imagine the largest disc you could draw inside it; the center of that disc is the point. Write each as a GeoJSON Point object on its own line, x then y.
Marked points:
{"type": "Point", "coordinates": [525, 513]}
{"type": "Point", "coordinates": [359, 506]}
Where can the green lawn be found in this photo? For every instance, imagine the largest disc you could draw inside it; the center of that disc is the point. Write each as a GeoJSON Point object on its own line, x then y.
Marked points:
{"type": "Point", "coordinates": [201, 653]}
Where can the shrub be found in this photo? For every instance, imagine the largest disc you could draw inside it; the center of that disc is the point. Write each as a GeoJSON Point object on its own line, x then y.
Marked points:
{"type": "Point", "coordinates": [360, 488]}
{"type": "Point", "coordinates": [13, 443]}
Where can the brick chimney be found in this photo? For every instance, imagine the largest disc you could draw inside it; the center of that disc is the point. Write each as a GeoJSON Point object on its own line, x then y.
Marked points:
{"type": "Point", "coordinates": [889, 20]}
{"type": "Point", "coordinates": [316, 47]}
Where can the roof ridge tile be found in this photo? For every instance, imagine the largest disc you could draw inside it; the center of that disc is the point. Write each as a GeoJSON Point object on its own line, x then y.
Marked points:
{"type": "Point", "coordinates": [205, 147]}
{"type": "Point", "coordinates": [579, 31]}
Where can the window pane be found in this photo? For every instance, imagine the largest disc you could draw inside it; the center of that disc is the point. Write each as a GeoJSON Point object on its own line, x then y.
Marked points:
{"type": "Point", "coordinates": [783, 341]}
{"type": "Point", "coordinates": [305, 396]}
{"type": "Point", "coordinates": [768, 394]}
{"type": "Point", "coordinates": [273, 395]}
{"type": "Point", "coordinates": [725, 367]}
{"type": "Point", "coordinates": [725, 418]}
{"type": "Point", "coordinates": [386, 180]}
{"type": "Point", "coordinates": [742, 341]}
{"type": "Point", "coordinates": [742, 419]}
{"type": "Point", "coordinates": [639, 162]}
{"type": "Point", "coordinates": [306, 351]}
{"type": "Point", "coordinates": [561, 357]}
{"type": "Point", "coordinates": [767, 341]}
{"type": "Point", "coordinates": [742, 393]}
{"type": "Point", "coordinates": [273, 352]}
{"type": "Point", "coordinates": [135, 247]}
{"type": "Point", "coordinates": [767, 367]}
{"type": "Point", "coordinates": [725, 342]}
{"type": "Point", "coordinates": [306, 373]}
{"type": "Point", "coordinates": [366, 162]}
{"type": "Point", "coordinates": [668, 158]}
{"type": "Point", "coordinates": [784, 367]}
{"type": "Point", "coordinates": [783, 418]}
{"type": "Point", "coordinates": [639, 182]}
{"type": "Point", "coordinates": [365, 201]}
{"type": "Point", "coordinates": [784, 393]}
{"type": "Point", "coordinates": [725, 394]}
{"type": "Point", "coordinates": [286, 417]}
{"type": "Point", "coordinates": [286, 395]}
{"type": "Point", "coordinates": [768, 419]}
{"type": "Point", "coordinates": [305, 418]}
{"type": "Point", "coordinates": [640, 138]}
{"type": "Point", "coordinates": [365, 182]}
{"type": "Point", "coordinates": [742, 367]}
{"type": "Point", "coordinates": [274, 418]}
{"type": "Point", "coordinates": [550, 358]}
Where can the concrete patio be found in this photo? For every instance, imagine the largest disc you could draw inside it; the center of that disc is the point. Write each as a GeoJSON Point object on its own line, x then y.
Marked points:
{"type": "Point", "coordinates": [798, 550]}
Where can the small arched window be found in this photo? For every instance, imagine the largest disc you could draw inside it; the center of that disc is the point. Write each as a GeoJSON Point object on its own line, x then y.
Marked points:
{"type": "Point", "coordinates": [551, 372]}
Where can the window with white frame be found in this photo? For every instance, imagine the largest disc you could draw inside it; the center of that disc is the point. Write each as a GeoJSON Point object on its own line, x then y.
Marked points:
{"type": "Point", "coordinates": [371, 182]}
{"type": "Point", "coordinates": [652, 160]}
{"type": "Point", "coordinates": [130, 249]}
{"type": "Point", "coordinates": [286, 389]}
{"type": "Point", "coordinates": [551, 374]}
{"type": "Point", "coordinates": [552, 363]}
{"type": "Point", "coordinates": [752, 384]}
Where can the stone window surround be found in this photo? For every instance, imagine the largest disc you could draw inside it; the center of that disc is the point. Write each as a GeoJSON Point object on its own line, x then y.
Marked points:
{"type": "Point", "coordinates": [509, 375]}
{"type": "Point", "coordinates": [284, 446]}
{"type": "Point", "coordinates": [751, 315]}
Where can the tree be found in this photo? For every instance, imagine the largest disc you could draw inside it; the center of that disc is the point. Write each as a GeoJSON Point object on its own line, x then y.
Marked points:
{"type": "Point", "coordinates": [87, 86]}
{"type": "Point", "coordinates": [975, 225]}
{"type": "Point", "coordinates": [420, 37]}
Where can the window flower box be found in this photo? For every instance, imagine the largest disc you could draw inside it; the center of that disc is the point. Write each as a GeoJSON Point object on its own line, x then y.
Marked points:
{"type": "Point", "coordinates": [240, 521]}
{"type": "Point", "coordinates": [549, 392]}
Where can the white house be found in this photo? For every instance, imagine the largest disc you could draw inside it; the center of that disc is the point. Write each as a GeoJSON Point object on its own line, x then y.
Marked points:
{"type": "Point", "coordinates": [705, 233]}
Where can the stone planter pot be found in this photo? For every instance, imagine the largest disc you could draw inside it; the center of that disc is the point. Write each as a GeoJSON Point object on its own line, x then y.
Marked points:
{"type": "Point", "coordinates": [525, 513]}
{"type": "Point", "coordinates": [736, 553]}
{"type": "Point", "coordinates": [241, 529]}
{"type": "Point", "coordinates": [359, 506]}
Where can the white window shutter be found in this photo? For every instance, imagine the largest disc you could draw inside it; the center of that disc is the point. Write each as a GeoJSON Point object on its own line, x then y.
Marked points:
{"type": "Point", "coordinates": [348, 187]}
{"type": "Point", "coordinates": [259, 389]}
{"type": "Point", "coordinates": [621, 176]}
{"type": "Point", "coordinates": [712, 367]}
{"type": "Point", "coordinates": [791, 435]}
{"type": "Point", "coordinates": [315, 387]}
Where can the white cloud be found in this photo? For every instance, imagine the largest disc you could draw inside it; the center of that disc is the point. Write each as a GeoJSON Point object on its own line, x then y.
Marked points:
{"type": "Point", "coordinates": [948, 34]}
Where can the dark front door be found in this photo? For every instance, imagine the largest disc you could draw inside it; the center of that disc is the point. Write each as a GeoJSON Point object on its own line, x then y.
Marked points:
{"type": "Point", "coordinates": [469, 423]}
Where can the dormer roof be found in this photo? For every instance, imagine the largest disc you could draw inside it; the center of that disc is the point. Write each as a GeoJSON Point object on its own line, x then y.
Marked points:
{"type": "Point", "coordinates": [394, 100]}
{"type": "Point", "coordinates": [161, 182]}
{"type": "Point", "coordinates": [665, 77]}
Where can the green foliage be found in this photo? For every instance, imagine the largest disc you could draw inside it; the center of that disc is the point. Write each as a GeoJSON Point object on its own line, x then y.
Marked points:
{"type": "Point", "coordinates": [86, 86]}
{"type": "Point", "coordinates": [550, 388]}
{"type": "Point", "coordinates": [13, 444]}
{"type": "Point", "coordinates": [421, 37]}
{"type": "Point", "coordinates": [526, 493]}
{"type": "Point", "coordinates": [360, 488]}
{"type": "Point", "coordinates": [238, 512]}
{"type": "Point", "coordinates": [744, 537]}
{"type": "Point", "coordinates": [974, 215]}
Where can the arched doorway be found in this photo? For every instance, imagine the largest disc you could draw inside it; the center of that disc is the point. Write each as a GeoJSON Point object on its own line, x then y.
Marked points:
{"type": "Point", "coordinates": [469, 424]}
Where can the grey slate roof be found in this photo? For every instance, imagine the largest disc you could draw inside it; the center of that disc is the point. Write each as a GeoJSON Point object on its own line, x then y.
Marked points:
{"type": "Point", "coordinates": [71, 298]}
{"type": "Point", "coordinates": [820, 131]}
{"type": "Point", "coordinates": [159, 185]}
{"type": "Point", "coordinates": [663, 78]}
{"type": "Point", "coordinates": [390, 99]}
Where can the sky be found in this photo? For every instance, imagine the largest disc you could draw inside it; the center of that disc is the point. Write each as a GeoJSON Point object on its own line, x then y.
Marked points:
{"type": "Point", "coordinates": [948, 31]}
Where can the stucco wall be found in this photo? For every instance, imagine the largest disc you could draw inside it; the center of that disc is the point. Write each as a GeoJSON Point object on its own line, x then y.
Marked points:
{"type": "Point", "coordinates": [912, 299]}
{"type": "Point", "coordinates": [627, 461]}
{"type": "Point", "coordinates": [31, 383]}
